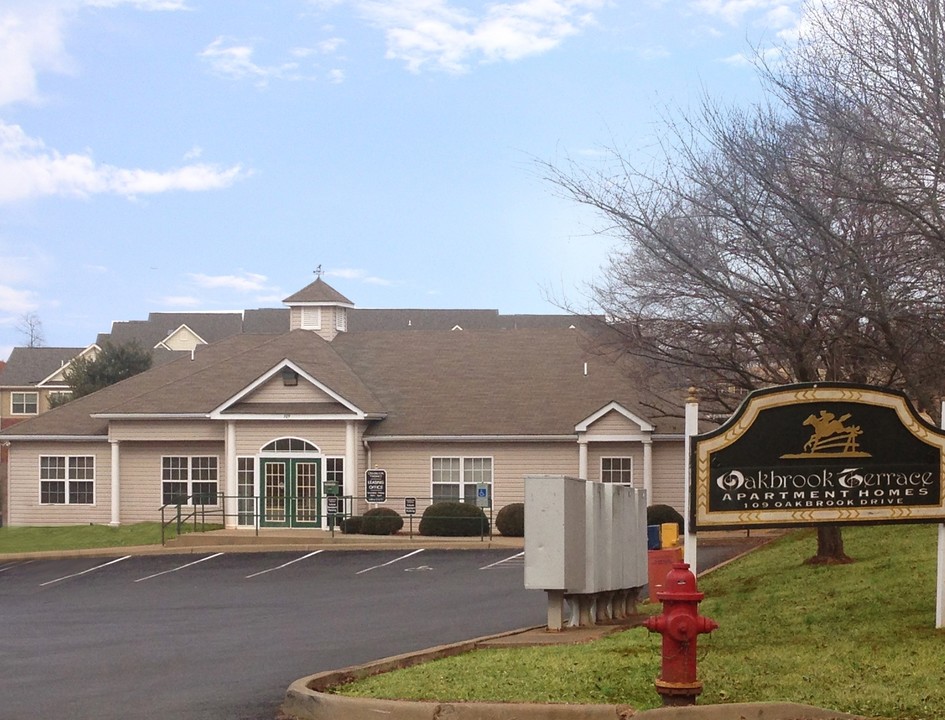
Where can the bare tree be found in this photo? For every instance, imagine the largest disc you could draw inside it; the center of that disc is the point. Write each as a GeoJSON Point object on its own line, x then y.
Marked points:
{"type": "Point", "coordinates": [792, 241]}
{"type": "Point", "coordinates": [31, 328]}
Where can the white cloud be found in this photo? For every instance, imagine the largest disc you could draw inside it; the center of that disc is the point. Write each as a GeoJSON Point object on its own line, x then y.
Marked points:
{"type": "Point", "coordinates": [330, 46]}
{"type": "Point", "coordinates": [359, 275]}
{"type": "Point", "coordinates": [244, 282]}
{"type": "Point", "coordinates": [228, 58]}
{"type": "Point", "coordinates": [147, 5]}
{"type": "Point", "coordinates": [31, 41]}
{"type": "Point", "coordinates": [774, 13]}
{"type": "Point", "coordinates": [29, 169]}
{"type": "Point", "coordinates": [15, 302]}
{"type": "Point", "coordinates": [336, 76]}
{"type": "Point", "coordinates": [451, 38]}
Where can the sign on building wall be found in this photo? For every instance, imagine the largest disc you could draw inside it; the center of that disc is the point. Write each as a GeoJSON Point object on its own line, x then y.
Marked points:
{"type": "Point", "coordinates": [812, 454]}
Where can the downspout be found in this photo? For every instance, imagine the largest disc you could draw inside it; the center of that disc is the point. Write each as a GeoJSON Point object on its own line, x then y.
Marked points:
{"type": "Point", "coordinates": [648, 469]}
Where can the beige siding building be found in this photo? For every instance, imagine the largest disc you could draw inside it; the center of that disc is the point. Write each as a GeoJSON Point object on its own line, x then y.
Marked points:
{"type": "Point", "coordinates": [267, 427]}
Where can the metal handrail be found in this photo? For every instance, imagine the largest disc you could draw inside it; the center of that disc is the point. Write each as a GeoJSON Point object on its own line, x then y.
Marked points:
{"type": "Point", "coordinates": [188, 510]}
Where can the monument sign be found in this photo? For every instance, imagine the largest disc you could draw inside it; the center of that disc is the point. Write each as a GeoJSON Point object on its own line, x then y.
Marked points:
{"type": "Point", "coordinates": [825, 453]}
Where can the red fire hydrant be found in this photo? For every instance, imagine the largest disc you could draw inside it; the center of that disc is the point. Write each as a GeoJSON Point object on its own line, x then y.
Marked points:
{"type": "Point", "coordinates": [680, 624]}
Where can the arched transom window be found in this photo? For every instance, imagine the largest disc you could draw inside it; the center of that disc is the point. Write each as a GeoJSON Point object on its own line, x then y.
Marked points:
{"type": "Point", "coordinates": [290, 444]}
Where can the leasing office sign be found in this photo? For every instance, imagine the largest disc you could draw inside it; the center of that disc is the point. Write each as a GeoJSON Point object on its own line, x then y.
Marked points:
{"type": "Point", "coordinates": [818, 454]}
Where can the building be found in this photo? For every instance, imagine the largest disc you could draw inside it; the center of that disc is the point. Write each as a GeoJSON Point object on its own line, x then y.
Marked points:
{"type": "Point", "coordinates": [265, 424]}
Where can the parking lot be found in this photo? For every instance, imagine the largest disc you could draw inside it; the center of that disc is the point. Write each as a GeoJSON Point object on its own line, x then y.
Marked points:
{"type": "Point", "coordinates": [221, 635]}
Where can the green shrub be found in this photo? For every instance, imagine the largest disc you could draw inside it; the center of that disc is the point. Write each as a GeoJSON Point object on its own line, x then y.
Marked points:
{"type": "Point", "coordinates": [381, 521]}
{"type": "Point", "coordinates": [352, 525]}
{"type": "Point", "coordinates": [510, 520]}
{"type": "Point", "coordinates": [659, 514]}
{"type": "Point", "coordinates": [453, 519]}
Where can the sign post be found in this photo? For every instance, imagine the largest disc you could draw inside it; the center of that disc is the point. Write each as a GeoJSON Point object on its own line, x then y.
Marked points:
{"type": "Point", "coordinates": [410, 509]}
{"type": "Point", "coordinates": [331, 506]}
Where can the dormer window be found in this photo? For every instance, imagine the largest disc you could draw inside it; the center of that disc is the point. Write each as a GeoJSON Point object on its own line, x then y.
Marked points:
{"type": "Point", "coordinates": [290, 378]}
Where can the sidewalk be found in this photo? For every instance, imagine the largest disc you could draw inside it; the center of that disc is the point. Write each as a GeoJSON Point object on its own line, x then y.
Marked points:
{"type": "Point", "coordinates": [278, 540]}
{"type": "Point", "coordinates": [290, 540]}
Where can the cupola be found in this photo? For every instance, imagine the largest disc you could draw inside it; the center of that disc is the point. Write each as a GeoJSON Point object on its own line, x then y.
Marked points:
{"type": "Point", "coordinates": [320, 308]}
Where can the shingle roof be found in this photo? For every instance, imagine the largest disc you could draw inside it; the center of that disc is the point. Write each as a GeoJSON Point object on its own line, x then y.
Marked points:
{"type": "Point", "coordinates": [372, 320]}
{"type": "Point", "coordinates": [31, 365]}
{"type": "Point", "coordinates": [318, 292]}
{"type": "Point", "coordinates": [273, 321]}
{"type": "Point", "coordinates": [159, 325]}
{"type": "Point", "coordinates": [529, 382]}
{"type": "Point", "coordinates": [490, 382]}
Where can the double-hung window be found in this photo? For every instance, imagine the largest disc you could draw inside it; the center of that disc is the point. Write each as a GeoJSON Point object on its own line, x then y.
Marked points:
{"type": "Point", "coordinates": [189, 480]}
{"type": "Point", "coordinates": [617, 470]}
{"type": "Point", "coordinates": [457, 478]}
{"type": "Point", "coordinates": [67, 479]}
{"type": "Point", "coordinates": [24, 403]}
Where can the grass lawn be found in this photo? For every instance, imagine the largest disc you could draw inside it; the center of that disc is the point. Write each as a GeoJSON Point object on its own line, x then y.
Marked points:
{"type": "Point", "coordinates": [74, 537]}
{"type": "Point", "coordinates": [857, 638]}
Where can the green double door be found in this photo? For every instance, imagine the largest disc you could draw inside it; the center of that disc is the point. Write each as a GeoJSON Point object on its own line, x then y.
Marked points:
{"type": "Point", "coordinates": [291, 491]}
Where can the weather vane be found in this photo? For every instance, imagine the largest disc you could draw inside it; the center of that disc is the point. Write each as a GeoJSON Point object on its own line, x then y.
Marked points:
{"type": "Point", "coordinates": [319, 272]}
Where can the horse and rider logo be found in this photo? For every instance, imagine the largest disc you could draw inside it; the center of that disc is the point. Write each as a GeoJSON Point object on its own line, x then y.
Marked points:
{"type": "Point", "coordinates": [831, 437]}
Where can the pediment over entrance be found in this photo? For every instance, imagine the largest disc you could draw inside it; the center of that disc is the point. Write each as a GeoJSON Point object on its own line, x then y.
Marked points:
{"type": "Point", "coordinates": [614, 419]}
{"type": "Point", "coordinates": [287, 390]}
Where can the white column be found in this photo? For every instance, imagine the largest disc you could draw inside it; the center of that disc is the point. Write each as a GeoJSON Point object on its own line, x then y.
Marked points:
{"type": "Point", "coordinates": [648, 469]}
{"type": "Point", "coordinates": [692, 428]}
{"type": "Point", "coordinates": [351, 459]}
{"type": "Point", "coordinates": [230, 506]}
{"type": "Point", "coordinates": [116, 484]}
{"type": "Point", "coordinates": [582, 457]}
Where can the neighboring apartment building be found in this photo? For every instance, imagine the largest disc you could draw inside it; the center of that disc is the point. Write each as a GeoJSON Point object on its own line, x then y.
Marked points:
{"type": "Point", "coordinates": [263, 424]}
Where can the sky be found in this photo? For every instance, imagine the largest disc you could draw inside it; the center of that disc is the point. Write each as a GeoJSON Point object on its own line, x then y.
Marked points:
{"type": "Point", "coordinates": [211, 155]}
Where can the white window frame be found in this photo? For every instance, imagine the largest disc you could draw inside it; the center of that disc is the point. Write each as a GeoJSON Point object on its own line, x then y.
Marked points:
{"type": "Point", "coordinates": [341, 320]}
{"type": "Point", "coordinates": [468, 476]}
{"type": "Point", "coordinates": [624, 459]}
{"type": "Point", "coordinates": [60, 396]}
{"type": "Point", "coordinates": [310, 318]}
{"type": "Point", "coordinates": [336, 473]}
{"type": "Point", "coordinates": [71, 471]}
{"type": "Point", "coordinates": [189, 478]}
{"type": "Point", "coordinates": [245, 480]}
{"type": "Point", "coordinates": [24, 395]}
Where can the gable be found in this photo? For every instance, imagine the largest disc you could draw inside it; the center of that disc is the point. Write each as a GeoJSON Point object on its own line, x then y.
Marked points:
{"type": "Point", "coordinates": [275, 390]}
{"type": "Point", "coordinates": [614, 420]}
{"type": "Point", "coordinates": [287, 389]}
{"type": "Point", "coordinates": [183, 338]}
{"type": "Point", "coordinates": [58, 377]}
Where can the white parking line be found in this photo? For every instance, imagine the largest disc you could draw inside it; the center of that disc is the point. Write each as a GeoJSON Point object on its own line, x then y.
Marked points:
{"type": "Point", "coordinates": [179, 567]}
{"type": "Point", "coordinates": [13, 565]}
{"type": "Point", "coordinates": [402, 557]}
{"type": "Point", "coordinates": [499, 562]}
{"type": "Point", "coordinates": [97, 567]}
{"type": "Point", "coordinates": [263, 572]}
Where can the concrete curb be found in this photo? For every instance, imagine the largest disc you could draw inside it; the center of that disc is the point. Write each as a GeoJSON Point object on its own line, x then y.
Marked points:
{"type": "Point", "coordinates": [269, 545]}
{"type": "Point", "coordinates": [309, 699]}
